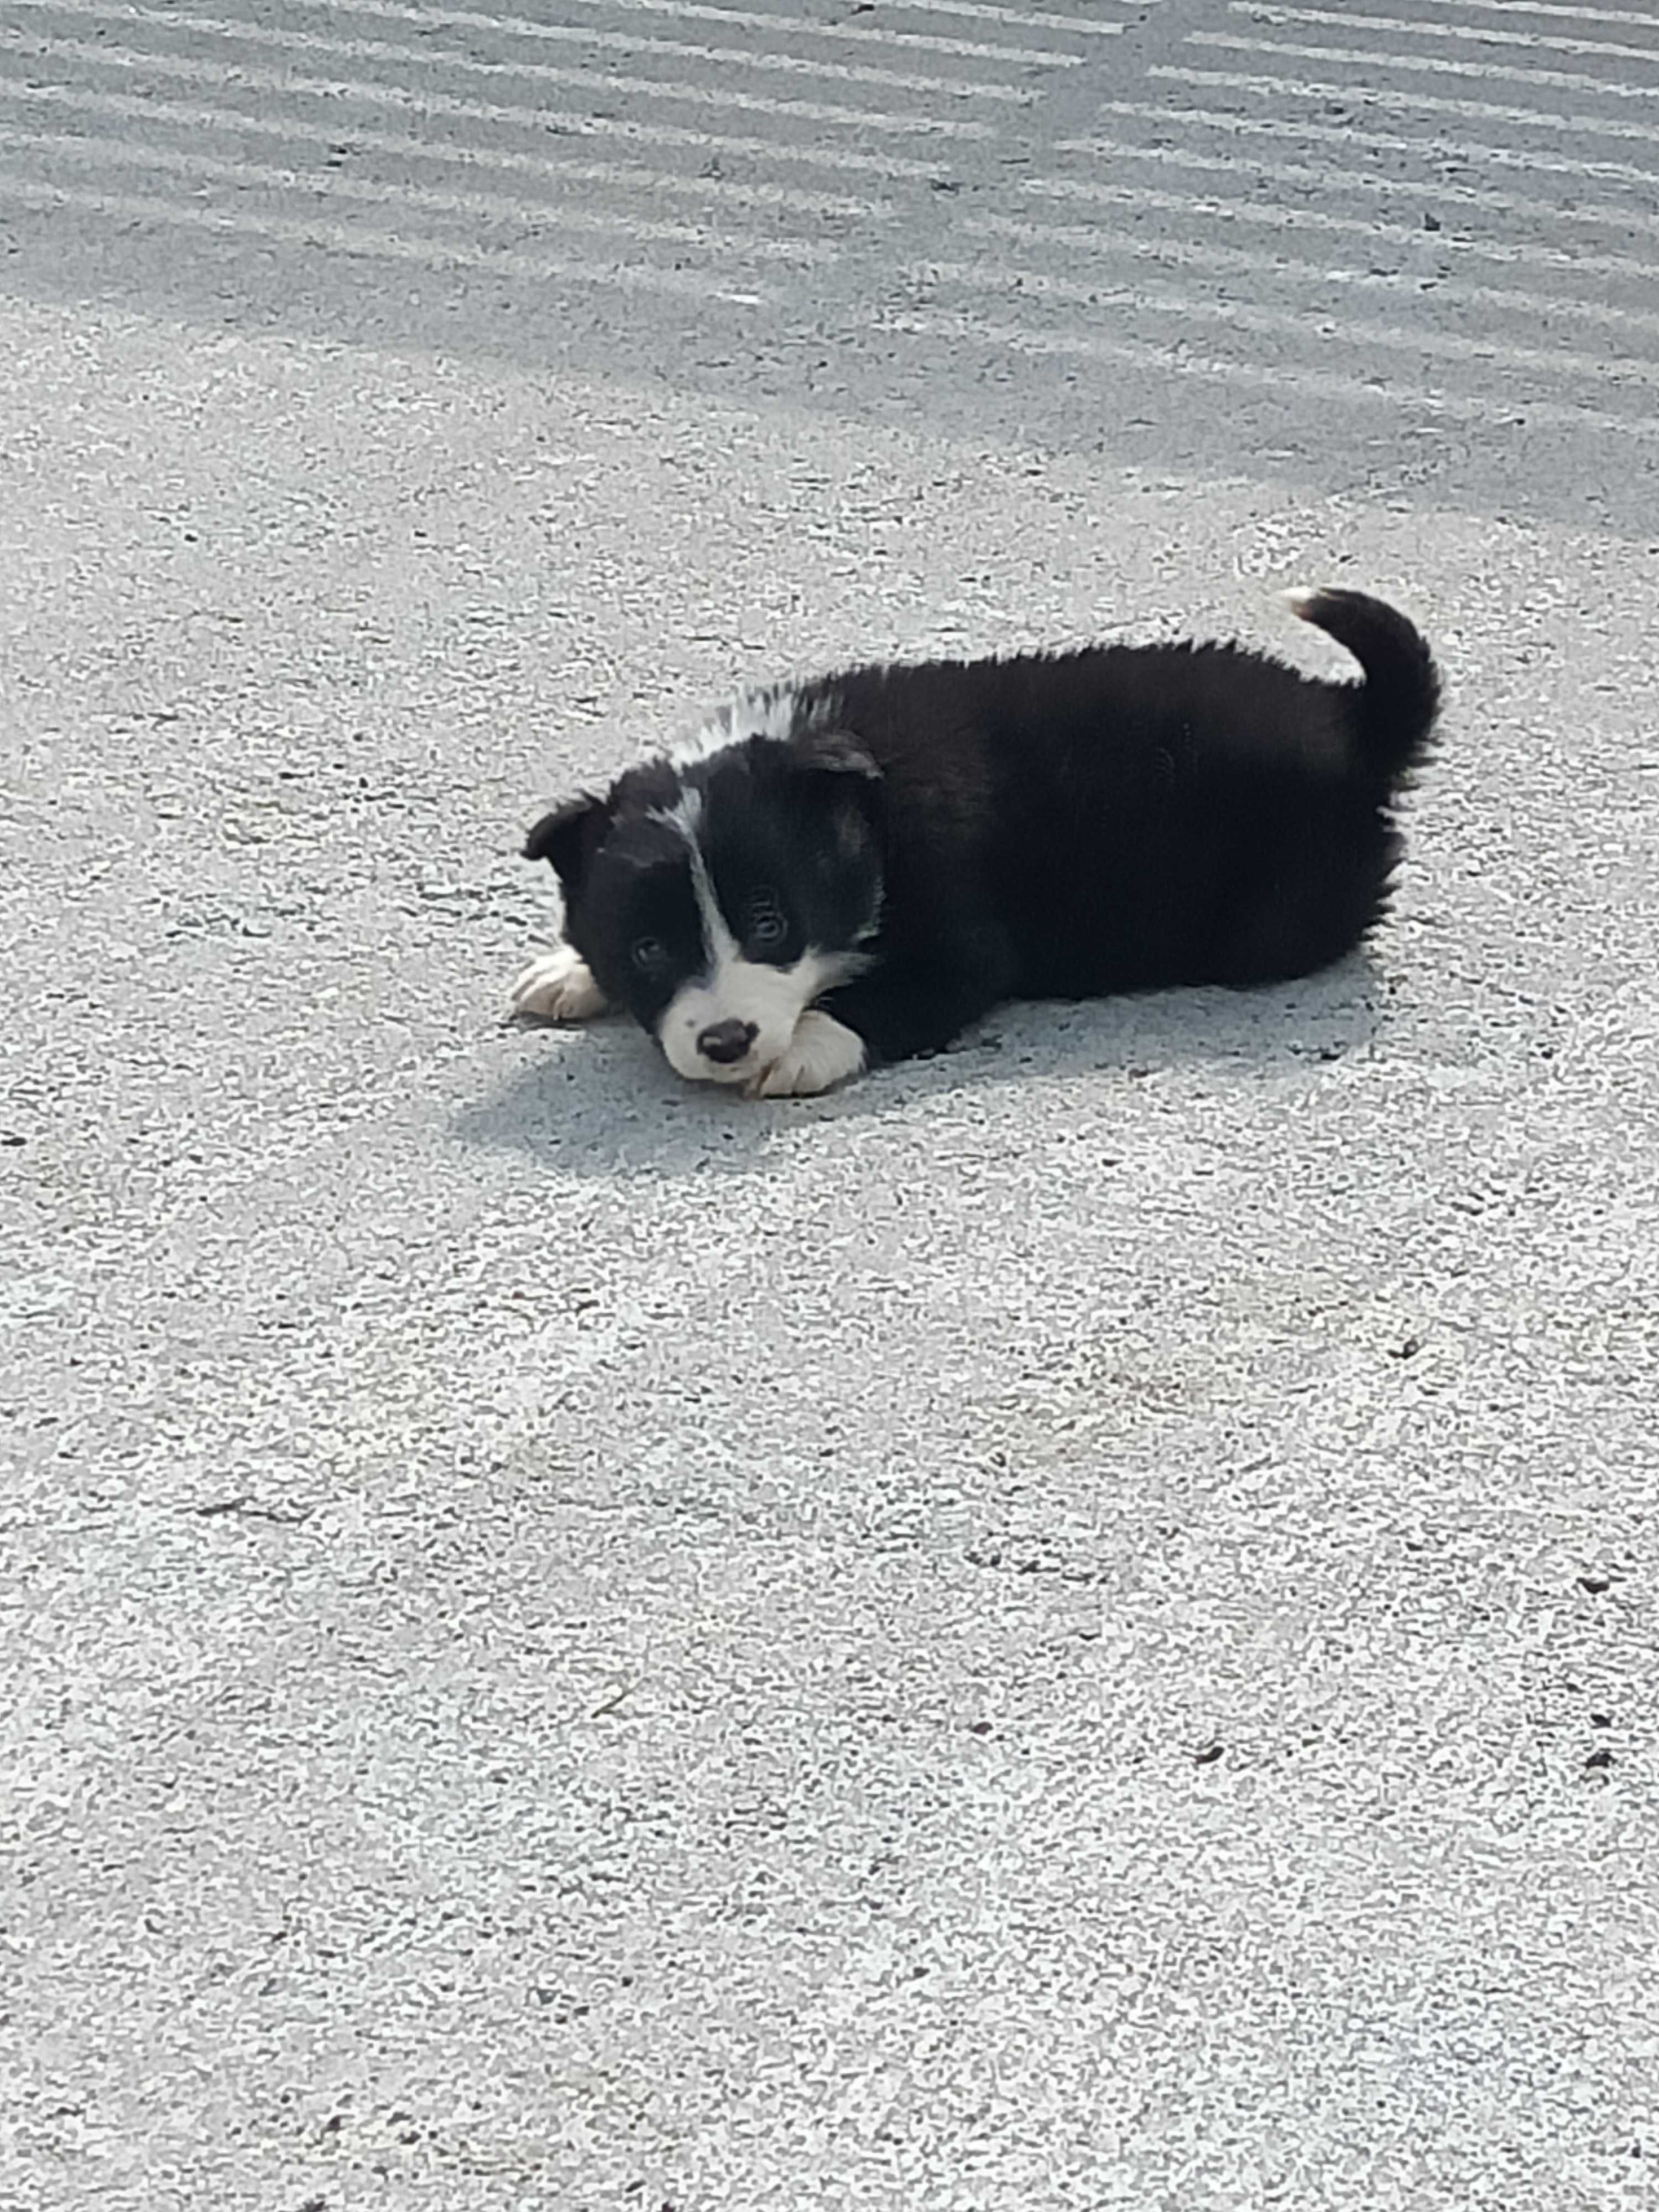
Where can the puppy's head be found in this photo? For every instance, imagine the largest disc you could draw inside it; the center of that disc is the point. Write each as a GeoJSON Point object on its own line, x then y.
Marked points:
{"type": "Point", "coordinates": [717, 898]}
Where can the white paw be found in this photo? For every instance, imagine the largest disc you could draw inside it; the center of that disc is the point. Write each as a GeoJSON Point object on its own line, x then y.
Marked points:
{"type": "Point", "coordinates": [559, 987]}
{"type": "Point", "coordinates": [823, 1053]}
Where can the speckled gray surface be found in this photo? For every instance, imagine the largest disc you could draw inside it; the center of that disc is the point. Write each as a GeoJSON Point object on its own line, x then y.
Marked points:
{"type": "Point", "coordinates": [1074, 1627]}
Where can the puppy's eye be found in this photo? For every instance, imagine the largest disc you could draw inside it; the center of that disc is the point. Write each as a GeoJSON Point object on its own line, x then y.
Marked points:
{"type": "Point", "coordinates": [766, 922]}
{"type": "Point", "coordinates": [649, 953]}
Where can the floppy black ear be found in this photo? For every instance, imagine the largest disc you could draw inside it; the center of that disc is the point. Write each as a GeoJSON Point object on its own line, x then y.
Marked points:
{"type": "Point", "coordinates": [568, 837]}
{"type": "Point", "coordinates": [834, 752]}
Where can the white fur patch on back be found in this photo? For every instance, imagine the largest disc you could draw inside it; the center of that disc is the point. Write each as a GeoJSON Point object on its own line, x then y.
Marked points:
{"type": "Point", "coordinates": [772, 710]}
{"type": "Point", "coordinates": [823, 1053]}
{"type": "Point", "coordinates": [558, 986]}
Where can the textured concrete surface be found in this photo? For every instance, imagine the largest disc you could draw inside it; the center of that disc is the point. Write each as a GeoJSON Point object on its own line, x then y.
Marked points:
{"type": "Point", "coordinates": [1072, 1628]}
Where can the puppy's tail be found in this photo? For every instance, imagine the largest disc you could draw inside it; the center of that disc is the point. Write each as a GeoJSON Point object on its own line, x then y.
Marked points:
{"type": "Point", "coordinates": [1395, 706]}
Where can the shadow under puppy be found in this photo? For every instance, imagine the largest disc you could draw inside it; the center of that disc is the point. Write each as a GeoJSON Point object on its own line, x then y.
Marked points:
{"type": "Point", "coordinates": [850, 870]}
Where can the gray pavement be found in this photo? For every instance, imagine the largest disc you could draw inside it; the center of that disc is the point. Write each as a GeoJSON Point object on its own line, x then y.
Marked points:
{"type": "Point", "coordinates": [1071, 1628]}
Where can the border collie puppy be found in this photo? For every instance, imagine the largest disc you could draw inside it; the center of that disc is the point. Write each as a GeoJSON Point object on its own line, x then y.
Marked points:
{"type": "Point", "coordinates": [851, 870]}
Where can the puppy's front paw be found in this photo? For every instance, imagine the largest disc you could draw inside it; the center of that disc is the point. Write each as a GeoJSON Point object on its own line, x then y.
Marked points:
{"type": "Point", "coordinates": [823, 1053]}
{"type": "Point", "coordinates": [558, 986]}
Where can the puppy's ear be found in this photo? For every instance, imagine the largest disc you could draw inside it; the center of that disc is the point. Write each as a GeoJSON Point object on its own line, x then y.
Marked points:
{"type": "Point", "coordinates": [834, 752]}
{"type": "Point", "coordinates": [568, 837]}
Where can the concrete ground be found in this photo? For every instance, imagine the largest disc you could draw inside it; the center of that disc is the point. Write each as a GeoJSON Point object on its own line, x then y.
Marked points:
{"type": "Point", "coordinates": [1074, 1627]}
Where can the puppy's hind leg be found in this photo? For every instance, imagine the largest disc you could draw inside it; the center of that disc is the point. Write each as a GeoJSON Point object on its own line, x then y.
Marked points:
{"type": "Point", "coordinates": [558, 986]}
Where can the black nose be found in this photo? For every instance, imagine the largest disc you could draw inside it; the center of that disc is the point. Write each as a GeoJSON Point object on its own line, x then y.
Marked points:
{"type": "Point", "coordinates": [726, 1042]}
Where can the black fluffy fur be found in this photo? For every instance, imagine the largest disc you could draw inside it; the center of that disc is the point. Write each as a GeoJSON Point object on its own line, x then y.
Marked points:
{"type": "Point", "coordinates": [1120, 819]}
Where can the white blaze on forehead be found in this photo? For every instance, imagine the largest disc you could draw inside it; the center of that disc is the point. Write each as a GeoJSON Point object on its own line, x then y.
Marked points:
{"type": "Point", "coordinates": [732, 989]}
{"type": "Point", "coordinates": [686, 817]}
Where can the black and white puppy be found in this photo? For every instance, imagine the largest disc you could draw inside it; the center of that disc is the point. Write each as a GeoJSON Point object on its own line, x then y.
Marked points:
{"type": "Point", "coordinates": [851, 870]}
